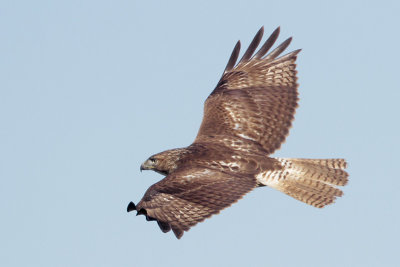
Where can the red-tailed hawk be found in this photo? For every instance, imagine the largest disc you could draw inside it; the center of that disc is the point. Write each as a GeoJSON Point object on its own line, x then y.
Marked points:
{"type": "Point", "coordinates": [246, 118]}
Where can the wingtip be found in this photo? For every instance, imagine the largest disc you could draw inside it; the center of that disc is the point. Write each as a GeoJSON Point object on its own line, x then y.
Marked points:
{"type": "Point", "coordinates": [297, 51]}
{"type": "Point", "coordinates": [165, 227]}
{"type": "Point", "coordinates": [268, 43]}
{"type": "Point", "coordinates": [150, 219]}
{"type": "Point", "coordinates": [277, 51]}
{"type": "Point", "coordinates": [233, 58]}
{"type": "Point", "coordinates": [253, 46]}
{"type": "Point", "coordinates": [260, 31]}
{"type": "Point", "coordinates": [178, 232]}
{"type": "Point", "coordinates": [141, 212]}
{"type": "Point", "coordinates": [131, 207]}
{"type": "Point", "coordinates": [238, 44]}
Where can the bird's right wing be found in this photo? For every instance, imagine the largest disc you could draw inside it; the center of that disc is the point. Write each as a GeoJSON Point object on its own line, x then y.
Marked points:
{"type": "Point", "coordinates": [190, 195]}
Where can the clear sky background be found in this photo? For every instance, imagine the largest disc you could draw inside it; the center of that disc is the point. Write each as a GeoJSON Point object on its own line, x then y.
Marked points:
{"type": "Point", "coordinates": [91, 89]}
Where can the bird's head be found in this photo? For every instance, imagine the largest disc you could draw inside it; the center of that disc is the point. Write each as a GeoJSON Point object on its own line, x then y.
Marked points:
{"type": "Point", "coordinates": [154, 163]}
{"type": "Point", "coordinates": [163, 163]}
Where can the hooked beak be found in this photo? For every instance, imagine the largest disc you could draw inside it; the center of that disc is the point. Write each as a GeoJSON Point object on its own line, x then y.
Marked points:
{"type": "Point", "coordinates": [145, 166]}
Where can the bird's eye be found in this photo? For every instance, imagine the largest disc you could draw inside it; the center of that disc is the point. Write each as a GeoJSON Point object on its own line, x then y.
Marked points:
{"type": "Point", "coordinates": [153, 160]}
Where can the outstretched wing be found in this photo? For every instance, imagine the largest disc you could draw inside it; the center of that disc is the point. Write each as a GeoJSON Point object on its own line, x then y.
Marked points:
{"type": "Point", "coordinates": [189, 196]}
{"type": "Point", "coordinates": [255, 100]}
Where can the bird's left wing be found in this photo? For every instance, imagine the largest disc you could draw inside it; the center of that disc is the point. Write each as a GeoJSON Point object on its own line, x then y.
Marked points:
{"type": "Point", "coordinates": [255, 100]}
{"type": "Point", "coordinates": [190, 195]}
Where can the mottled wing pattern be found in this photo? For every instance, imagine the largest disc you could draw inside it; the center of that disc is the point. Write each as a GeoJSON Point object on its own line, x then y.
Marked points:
{"type": "Point", "coordinates": [312, 181]}
{"type": "Point", "coordinates": [189, 196]}
{"type": "Point", "coordinates": [256, 99]}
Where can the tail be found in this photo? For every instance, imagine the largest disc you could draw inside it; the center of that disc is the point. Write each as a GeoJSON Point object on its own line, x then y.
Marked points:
{"type": "Point", "coordinates": [312, 181]}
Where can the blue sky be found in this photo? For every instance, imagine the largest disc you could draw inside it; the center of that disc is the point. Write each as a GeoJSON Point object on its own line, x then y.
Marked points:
{"type": "Point", "coordinates": [90, 89]}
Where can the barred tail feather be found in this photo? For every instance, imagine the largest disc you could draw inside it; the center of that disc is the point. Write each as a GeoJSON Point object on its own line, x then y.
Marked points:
{"type": "Point", "coordinates": [312, 181]}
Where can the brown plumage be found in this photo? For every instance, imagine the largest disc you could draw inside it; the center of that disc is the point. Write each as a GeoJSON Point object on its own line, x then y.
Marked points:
{"type": "Point", "coordinates": [246, 118]}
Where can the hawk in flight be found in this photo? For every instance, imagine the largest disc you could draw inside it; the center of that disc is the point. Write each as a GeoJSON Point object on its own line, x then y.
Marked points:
{"type": "Point", "coordinates": [246, 118]}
